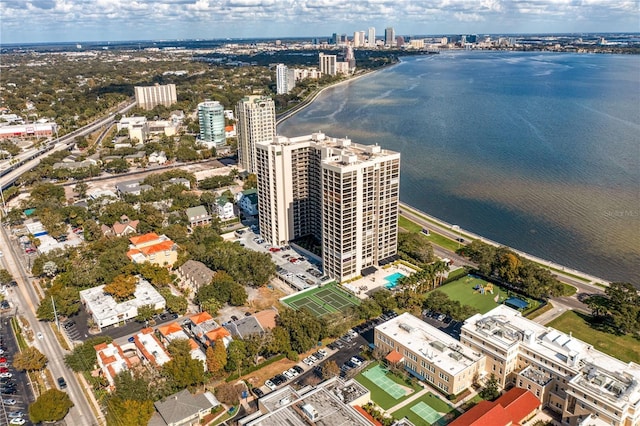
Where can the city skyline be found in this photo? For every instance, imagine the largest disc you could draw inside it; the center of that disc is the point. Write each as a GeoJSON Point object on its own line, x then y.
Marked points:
{"type": "Point", "coordinates": [118, 20]}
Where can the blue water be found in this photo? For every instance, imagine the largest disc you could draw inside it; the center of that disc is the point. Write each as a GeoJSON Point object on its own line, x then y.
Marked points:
{"type": "Point", "coordinates": [392, 280]}
{"type": "Point", "coordinates": [538, 151]}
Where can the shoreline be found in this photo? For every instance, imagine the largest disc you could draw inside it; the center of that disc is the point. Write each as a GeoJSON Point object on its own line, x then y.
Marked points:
{"type": "Point", "coordinates": [555, 267]}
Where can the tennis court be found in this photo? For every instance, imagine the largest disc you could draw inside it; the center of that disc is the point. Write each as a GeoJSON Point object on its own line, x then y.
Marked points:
{"type": "Point", "coordinates": [426, 412]}
{"type": "Point", "coordinates": [321, 301]}
{"type": "Point", "coordinates": [379, 376]}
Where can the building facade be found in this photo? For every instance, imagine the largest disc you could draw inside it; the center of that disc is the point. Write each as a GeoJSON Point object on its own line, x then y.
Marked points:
{"type": "Point", "coordinates": [358, 39]}
{"type": "Point", "coordinates": [328, 64]}
{"type": "Point", "coordinates": [389, 37]}
{"type": "Point", "coordinates": [371, 37]}
{"type": "Point", "coordinates": [344, 194]}
{"type": "Point", "coordinates": [256, 123]}
{"type": "Point", "coordinates": [282, 79]}
{"type": "Point", "coordinates": [211, 119]}
{"type": "Point", "coordinates": [429, 354]}
{"type": "Point", "coordinates": [153, 248]}
{"type": "Point", "coordinates": [567, 375]}
{"type": "Point", "coordinates": [148, 97]}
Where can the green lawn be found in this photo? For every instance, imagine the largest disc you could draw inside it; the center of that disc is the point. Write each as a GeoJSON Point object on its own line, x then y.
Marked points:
{"type": "Point", "coordinates": [625, 348]}
{"type": "Point", "coordinates": [379, 396]}
{"type": "Point", "coordinates": [433, 237]}
{"type": "Point", "coordinates": [429, 399]}
{"type": "Point", "coordinates": [462, 291]}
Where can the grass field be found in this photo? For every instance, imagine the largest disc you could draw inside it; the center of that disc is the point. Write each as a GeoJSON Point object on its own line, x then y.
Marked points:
{"type": "Point", "coordinates": [323, 300]}
{"type": "Point", "coordinates": [429, 399]}
{"type": "Point", "coordinates": [625, 348]}
{"type": "Point", "coordinates": [462, 291]}
{"type": "Point", "coordinates": [379, 395]}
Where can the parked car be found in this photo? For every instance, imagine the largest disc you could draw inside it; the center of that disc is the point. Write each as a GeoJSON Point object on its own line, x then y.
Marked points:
{"type": "Point", "coordinates": [257, 392]}
{"type": "Point", "coordinates": [6, 375]}
{"type": "Point", "coordinates": [17, 421]}
{"type": "Point", "coordinates": [293, 372]}
{"type": "Point", "coordinates": [270, 385]}
{"type": "Point", "coordinates": [288, 374]}
{"type": "Point", "coordinates": [15, 414]}
{"type": "Point", "coordinates": [299, 369]}
{"type": "Point", "coordinates": [9, 401]}
{"type": "Point", "coordinates": [356, 361]}
{"type": "Point", "coordinates": [3, 359]}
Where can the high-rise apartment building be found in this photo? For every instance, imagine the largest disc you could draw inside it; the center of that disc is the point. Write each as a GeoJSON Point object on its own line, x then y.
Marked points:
{"type": "Point", "coordinates": [256, 123]}
{"type": "Point", "coordinates": [211, 120]}
{"type": "Point", "coordinates": [358, 39]}
{"type": "Point", "coordinates": [328, 64]}
{"type": "Point", "coordinates": [371, 37]}
{"type": "Point", "coordinates": [344, 194]}
{"type": "Point", "coordinates": [147, 97]}
{"type": "Point", "coordinates": [389, 37]}
{"type": "Point", "coordinates": [282, 79]}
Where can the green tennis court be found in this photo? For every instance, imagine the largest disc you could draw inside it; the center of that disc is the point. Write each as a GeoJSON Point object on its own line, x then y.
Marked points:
{"type": "Point", "coordinates": [379, 376]}
{"type": "Point", "coordinates": [321, 301]}
{"type": "Point", "coordinates": [426, 412]}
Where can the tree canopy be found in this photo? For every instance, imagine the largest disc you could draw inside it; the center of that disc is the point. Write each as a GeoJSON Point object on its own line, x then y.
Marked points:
{"type": "Point", "coordinates": [51, 406]}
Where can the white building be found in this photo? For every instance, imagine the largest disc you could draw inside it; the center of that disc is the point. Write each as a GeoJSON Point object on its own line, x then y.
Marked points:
{"type": "Point", "coordinates": [112, 361]}
{"type": "Point", "coordinates": [344, 194]}
{"type": "Point", "coordinates": [256, 123]}
{"type": "Point", "coordinates": [358, 39]}
{"type": "Point", "coordinates": [282, 79]}
{"type": "Point", "coordinates": [328, 64]}
{"type": "Point", "coordinates": [147, 97]}
{"type": "Point", "coordinates": [224, 208]}
{"type": "Point", "coordinates": [569, 376]}
{"type": "Point", "coordinates": [212, 123]}
{"type": "Point", "coordinates": [137, 127]}
{"type": "Point", "coordinates": [371, 37]}
{"type": "Point", "coordinates": [149, 348]}
{"type": "Point", "coordinates": [105, 311]}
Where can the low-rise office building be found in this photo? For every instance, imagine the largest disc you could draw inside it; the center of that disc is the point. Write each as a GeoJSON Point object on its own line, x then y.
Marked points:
{"type": "Point", "coordinates": [429, 354]}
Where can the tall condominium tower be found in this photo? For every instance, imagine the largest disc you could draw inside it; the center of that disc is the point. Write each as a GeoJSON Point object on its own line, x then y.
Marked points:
{"type": "Point", "coordinates": [344, 194]}
{"type": "Point", "coordinates": [358, 39]}
{"type": "Point", "coordinates": [256, 123]}
{"type": "Point", "coordinates": [389, 37]}
{"type": "Point", "coordinates": [328, 64]}
{"type": "Point", "coordinates": [211, 119]}
{"type": "Point", "coordinates": [148, 97]}
{"type": "Point", "coordinates": [371, 37]}
{"type": "Point", "coordinates": [282, 75]}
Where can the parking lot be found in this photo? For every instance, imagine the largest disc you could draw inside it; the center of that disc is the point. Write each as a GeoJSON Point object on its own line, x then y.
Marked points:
{"type": "Point", "coordinates": [15, 391]}
{"type": "Point", "coordinates": [293, 268]}
{"type": "Point", "coordinates": [443, 323]}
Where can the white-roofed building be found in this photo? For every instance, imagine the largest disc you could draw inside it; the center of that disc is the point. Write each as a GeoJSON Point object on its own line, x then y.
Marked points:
{"type": "Point", "coordinates": [150, 349]}
{"type": "Point", "coordinates": [105, 311]}
{"type": "Point", "coordinates": [112, 361]}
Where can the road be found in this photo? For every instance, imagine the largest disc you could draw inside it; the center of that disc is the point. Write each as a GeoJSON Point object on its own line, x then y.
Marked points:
{"type": "Point", "coordinates": [26, 300]}
{"type": "Point", "coordinates": [59, 144]}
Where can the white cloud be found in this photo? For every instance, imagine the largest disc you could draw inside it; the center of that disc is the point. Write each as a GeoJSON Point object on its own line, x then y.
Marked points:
{"type": "Point", "coordinates": [126, 19]}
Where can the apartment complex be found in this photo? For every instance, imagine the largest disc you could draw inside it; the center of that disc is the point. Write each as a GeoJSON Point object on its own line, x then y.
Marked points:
{"type": "Point", "coordinates": [389, 37]}
{"type": "Point", "coordinates": [429, 354]}
{"type": "Point", "coordinates": [569, 376]}
{"type": "Point", "coordinates": [328, 64]}
{"type": "Point", "coordinates": [342, 193]}
{"type": "Point", "coordinates": [211, 120]}
{"type": "Point", "coordinates": [256, 123]}
{"type": "Point", "coordinates": [148, 97]}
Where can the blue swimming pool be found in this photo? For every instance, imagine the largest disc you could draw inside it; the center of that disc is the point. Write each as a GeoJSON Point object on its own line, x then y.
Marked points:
{"type": "Point", "coordinates": [392, 280]}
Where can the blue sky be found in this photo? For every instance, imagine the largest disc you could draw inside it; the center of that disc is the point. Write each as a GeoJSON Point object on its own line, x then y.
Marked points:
{"type": "Point", "coordinates": [102, 20]}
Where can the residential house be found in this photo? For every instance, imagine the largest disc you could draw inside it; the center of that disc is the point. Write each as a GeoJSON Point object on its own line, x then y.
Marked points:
{"type": "Point", "coordinates": [149, 348]}
{"type": "Point", "coordinates": [111, 361]}
{"type": "Point", "coordinates": [248, 201]}
{"type": "Point", "coordinates": [194, 274]}
{"type": "Point", "coordinates": [198, 216]}
{"type": "Point", "coordinates": [131, 187]}
{"type": "Point", "coordinates": [244, 327]}
{"type": "Point", "coordinates": [174, 331]}
{"type": "Point", "coordinates": [158, 157]}
{"type": "Point", "coordinates": [224, 208]}
{"type": "Point", "coordinates": [207, 330]}
{"type": "Point", "coordinates": [179, 181]}
{"type": "Point", "coordinates": [183, 409]}
{"type": "Point", "coordinates": [153, 248]}
{"type": "Point", "coordinates": [123, 227]}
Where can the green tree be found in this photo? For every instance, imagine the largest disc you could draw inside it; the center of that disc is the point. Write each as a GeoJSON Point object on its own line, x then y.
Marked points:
{"type": "Point", "coordinates": [51, 406]}
{"type": "Point", "coordinates": [251, 182]}
{"type": "Point", "coordinates": [5, 276]}
{"type": "Point", "coordinates": [30, 359]}
{"type": "Point", "coordinates": [182, 370]}
{"type": "Point", "coordinates": [67, 300]}
{"type": "Point", "coordinates": [129, 412]}
{"type": "Point", "coordinates": [369, 308]}
{"type": "Point", "coordinates": [145, 313]}
{"type": "Point", "coordinates": [81, 189]}
{"type": "Point", "coordinates": [83, 357]}
{"type": "Point", "coordinates": [216, 358]}
{"type": "Point", "coordinates": [330, 369]}
{"type": "Point", "coordinates": [236, 356]}
{"type": "Point", "coordinates": [175, 304]}
{"type": "Point", "coordinates": [491, 389]}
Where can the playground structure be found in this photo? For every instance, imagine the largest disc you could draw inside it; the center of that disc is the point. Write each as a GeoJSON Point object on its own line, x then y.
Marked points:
{"type": "Point", "coordinates": [484, 290]}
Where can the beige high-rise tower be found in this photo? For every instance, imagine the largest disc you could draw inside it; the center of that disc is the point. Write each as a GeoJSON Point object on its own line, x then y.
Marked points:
{"type": "Point", "coordinates": [256, 123]}
{"type": "Point", "coordinates": [344, 194]}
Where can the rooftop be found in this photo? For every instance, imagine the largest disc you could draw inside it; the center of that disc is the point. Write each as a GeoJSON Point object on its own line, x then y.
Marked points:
{"type": "Point", "coordinates": [151, 348]}
{"type": "Point", "coordinates": [427, 341]}
{"type": "Point", "coordinates": [183, 405]}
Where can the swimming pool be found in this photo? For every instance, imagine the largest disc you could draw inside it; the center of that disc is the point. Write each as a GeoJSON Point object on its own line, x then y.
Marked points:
{"type": "Point", "coordinates": [392, 280]}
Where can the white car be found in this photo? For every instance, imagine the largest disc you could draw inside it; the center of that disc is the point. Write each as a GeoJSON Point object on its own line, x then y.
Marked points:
{"type": "Point", "coordinates": [356, 361]}
{"type": "Point", "coordinates": [270, 385]}
{"type": "Point", "coordinates": [293, 372]}
{"type": "Point", "coordinates": [307, 361]}
{"type": "Point", "coordinates": [5, 375]}
{"type": "Point", "coordinates": [323, 352]}
{"type": "Point", "coordinates": [39, 335]}
{"type": "Point", "coordinates": [312, 358]}
{"type": "Point", "coordinates": [17, 421]}
{"type": "Point", "coordinates": [9, 401]}
{"type": "Point", "coordinates": [288, 374]}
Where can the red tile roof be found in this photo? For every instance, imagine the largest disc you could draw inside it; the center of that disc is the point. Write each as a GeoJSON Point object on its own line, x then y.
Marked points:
{"type": "Point", "coordinates": [367, 415]}
{"type": "Point", "coordinates": [394, 357]}
{"type": "Point", "coordinates": [218, 333]}
{"type": "Point", "coordinates": [510, 409]}
{"type": "Point", "coordinates": [168, 329]}
{"type": "Point", "coordinates": [200, 317]}
{"type": "Point", "coordinates": [155, 248]}
{"type": "Point", "coordinates": [146, 238]}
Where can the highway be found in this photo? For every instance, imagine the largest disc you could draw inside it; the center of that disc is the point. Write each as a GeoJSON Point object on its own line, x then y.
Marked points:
{"type": "Point", "coordinates": [57, 145]}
